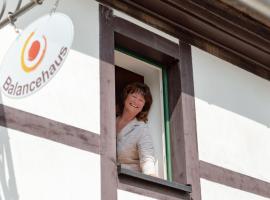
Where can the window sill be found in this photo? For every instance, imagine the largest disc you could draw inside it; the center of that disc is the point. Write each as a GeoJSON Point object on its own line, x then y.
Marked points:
{"type": "Point", "coordinates": [136, 179]}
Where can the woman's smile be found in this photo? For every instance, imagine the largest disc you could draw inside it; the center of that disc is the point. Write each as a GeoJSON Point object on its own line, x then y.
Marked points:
{"type": "Point", "coordinates": [134, 103]}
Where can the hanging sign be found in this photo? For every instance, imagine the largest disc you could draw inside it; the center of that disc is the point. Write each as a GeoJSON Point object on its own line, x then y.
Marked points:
{"type": "Point", "coordinates": [36, 55]}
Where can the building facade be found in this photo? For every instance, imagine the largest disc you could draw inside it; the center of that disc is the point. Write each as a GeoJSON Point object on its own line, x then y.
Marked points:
{"type": "Point", "coordinates": [207, 65]}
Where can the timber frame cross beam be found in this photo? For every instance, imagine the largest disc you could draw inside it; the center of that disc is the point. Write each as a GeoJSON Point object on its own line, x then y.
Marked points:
{"type": "Point", "coordinates": [13, 15]}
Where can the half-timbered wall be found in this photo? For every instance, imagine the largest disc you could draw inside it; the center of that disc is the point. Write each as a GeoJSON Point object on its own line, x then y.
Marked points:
{"type": "Point", "coordinates": [37, 168]}
{"type": "Point", "coordinates": [232, 113]}
{"type": "Point", "coordinates": [72, 97]}
{"type": "Point", "coordinates": [59, 142]}
{"type": "Point", "coordinates": [63, 162]}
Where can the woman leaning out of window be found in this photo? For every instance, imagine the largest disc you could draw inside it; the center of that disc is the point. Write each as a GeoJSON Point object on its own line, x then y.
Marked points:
{"type": "Point", "coordinates": [135, 149]}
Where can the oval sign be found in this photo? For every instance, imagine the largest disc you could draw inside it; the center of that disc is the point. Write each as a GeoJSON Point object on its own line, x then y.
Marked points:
{"type": "Point", "coordinates": [36, 55]}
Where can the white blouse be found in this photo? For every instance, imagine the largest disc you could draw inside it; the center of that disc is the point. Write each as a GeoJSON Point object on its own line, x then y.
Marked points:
{"type": "Point", "coordinates": [135, 149]}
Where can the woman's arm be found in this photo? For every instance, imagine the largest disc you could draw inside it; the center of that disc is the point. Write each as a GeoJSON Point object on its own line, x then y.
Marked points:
{"type": "Point", "coordinates": [146, 153]}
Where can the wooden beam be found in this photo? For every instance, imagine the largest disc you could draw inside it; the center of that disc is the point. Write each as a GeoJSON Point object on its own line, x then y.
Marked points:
{"type": "Point", "coordinates": [184, 148]}
{"type": "Point", "coordinates": [107, 107]}
{"type": "Point", "coordinates": [234, 179]}
{"type": "Point", "coordinates": [48, 129]}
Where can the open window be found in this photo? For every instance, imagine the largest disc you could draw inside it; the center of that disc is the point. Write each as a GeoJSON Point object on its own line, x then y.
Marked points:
{"type": "Point", "coordinates": [131, 53]}
{"type": "Point", "coordinates": [134, 68]}
{"type": "Point", "coordinates": [136, 61]}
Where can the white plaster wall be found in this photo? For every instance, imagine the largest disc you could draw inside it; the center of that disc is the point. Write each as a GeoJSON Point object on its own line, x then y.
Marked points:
{"type": "Point", "coordinates": [125, 195]}
{"type": "Point", "coordinates": [153, 78]}
{"type": "Point", "coordinates": [214, 191]}
{"type": "Point", "coordinates": [34, 168]}
{"type": "Point", "coordinates": [72, 96]}
{"type": "Point", "coordinates": [232, 113]}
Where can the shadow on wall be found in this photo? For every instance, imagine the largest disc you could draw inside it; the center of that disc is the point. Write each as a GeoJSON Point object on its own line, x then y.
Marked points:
{"type": "Point", "coordinates": [8, 187]}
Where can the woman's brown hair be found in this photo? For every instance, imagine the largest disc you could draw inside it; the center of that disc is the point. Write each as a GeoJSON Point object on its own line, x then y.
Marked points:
{"type": "Point", "coordinates": [142, 89]}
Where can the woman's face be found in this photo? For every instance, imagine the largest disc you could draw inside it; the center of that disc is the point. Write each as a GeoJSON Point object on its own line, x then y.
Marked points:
{"type": "Point", "coordinates": [134, 103]}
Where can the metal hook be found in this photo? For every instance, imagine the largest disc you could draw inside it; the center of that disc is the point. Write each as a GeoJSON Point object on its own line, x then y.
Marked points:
{"type": "Point", "coordinates": [38, 1]}
{"type": "Point", "coordinates": [18, 12]}
{"type": "Point", "coordinates": [12, 22]}
{"type": "Point", "coordinates": [55, 6]}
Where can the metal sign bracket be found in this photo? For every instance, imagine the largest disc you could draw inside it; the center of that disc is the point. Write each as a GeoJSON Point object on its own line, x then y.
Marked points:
{"type": "Point", "coordinates": [12, 16]}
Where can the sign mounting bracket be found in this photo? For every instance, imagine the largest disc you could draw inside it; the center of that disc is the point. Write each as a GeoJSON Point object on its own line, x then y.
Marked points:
{"type": "Point", "coordinates": [18, 11]}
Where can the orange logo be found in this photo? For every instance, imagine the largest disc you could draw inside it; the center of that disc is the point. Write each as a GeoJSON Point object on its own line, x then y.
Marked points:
{"type": "Point", "coordinates": [33, 53]}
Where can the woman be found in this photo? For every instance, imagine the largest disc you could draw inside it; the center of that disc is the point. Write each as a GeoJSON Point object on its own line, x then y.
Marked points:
{"type": "Point", "coordinates": [134, 143]}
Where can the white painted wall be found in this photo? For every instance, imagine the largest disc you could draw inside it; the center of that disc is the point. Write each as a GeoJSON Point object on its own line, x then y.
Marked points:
{"type": "Point", "coordinates": [211, 190]}
{"type": "Point", "coordinates": [153, 78]}
{"type": "Point", "coordinates": [232, 110]}
{"type": "Point", "coordinates": [34, 168]}
{"type": "Point", "coordinates": [124, 195]}
{"type": "Point", "coordinates": [72, 96]}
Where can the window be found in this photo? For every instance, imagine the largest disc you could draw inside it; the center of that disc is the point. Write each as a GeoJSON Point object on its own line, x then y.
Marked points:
{"type": "Point", "coordinates": [133, 68]}
{"type": "Point", "coordinates": [122, 39]}
{"type": "Point", "coordinates": [153, 66]}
